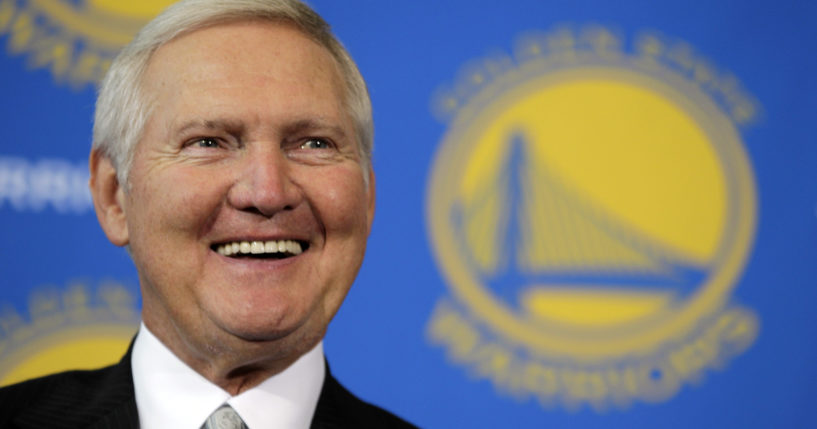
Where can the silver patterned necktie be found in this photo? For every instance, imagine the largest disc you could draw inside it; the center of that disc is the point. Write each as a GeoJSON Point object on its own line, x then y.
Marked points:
{"type": "Point", "coordinates": [224, 417]}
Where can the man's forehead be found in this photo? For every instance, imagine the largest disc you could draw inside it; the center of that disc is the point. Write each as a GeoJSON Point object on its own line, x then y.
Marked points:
{"type": "Point", "coordinates": [237, 55]}
{"type": "Point", "coordinates": [226, 42]}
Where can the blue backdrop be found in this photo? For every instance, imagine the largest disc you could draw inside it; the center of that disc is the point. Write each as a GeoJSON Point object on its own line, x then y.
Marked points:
{"type": "Point", "coordinates": [589, 213]}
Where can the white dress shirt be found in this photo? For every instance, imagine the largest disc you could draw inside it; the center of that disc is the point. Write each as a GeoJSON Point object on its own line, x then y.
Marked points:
{"type": "Point", "coordinates": [169, 394]}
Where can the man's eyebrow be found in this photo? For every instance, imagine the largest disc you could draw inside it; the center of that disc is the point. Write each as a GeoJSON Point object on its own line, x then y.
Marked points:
{"type": "Point", "coordinates": [315, 125]}
{"type": "Point", "coordinates": [209, 124]}
{"type": "Point", "coordinates": [310, 125]}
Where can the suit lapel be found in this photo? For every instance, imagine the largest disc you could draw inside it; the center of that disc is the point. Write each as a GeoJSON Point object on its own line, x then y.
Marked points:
{"type": "Point", "coordinates": [118, 398]}
{"type": "Point", "coordinates": [125, 416]}
{"type": "Point", "coordinates": [338, 408]}
{"type": "Point", "coordinates": [119, 406]}
{"type": "Point", "coordinates": [329, 414]}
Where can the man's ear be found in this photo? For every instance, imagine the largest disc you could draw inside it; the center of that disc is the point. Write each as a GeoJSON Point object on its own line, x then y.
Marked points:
{"type": "Point", "coordinates": [109, 198]}
{"type": "Point", "coordinates": [371, 198]}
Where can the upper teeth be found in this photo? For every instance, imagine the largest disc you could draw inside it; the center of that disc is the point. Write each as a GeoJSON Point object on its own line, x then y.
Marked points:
{"type": "Point", "coordinates": [258, 247]}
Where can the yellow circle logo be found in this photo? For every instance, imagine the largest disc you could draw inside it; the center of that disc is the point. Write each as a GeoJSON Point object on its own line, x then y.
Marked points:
{"type": "Point", "coordinates": [76, 40]}
{"type": "Point", "coordinates": [65, 330]}
{"type": "Point", "coordinates": [592, 209]}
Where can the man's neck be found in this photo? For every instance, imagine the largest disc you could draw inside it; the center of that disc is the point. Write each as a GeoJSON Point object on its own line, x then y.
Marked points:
{"type": "Point", "coordinates": [231, 363]}
{"type": "Point", "coordinates": [168, 391]}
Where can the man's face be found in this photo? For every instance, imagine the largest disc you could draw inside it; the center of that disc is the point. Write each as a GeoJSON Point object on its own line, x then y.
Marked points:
{"type": "Point", "coordinates": [248, 145]}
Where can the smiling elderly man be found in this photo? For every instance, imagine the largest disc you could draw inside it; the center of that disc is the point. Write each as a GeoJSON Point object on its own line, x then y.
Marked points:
{"type": "Point", "coordinates": [231, 154]}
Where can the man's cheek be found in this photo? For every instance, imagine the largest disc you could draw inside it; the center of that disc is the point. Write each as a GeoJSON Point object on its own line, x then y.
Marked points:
{"type": "Point", "coordinates": [347, 206]}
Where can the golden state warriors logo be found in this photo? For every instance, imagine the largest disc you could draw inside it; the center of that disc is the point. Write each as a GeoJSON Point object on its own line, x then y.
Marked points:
{"type": "Point", "coordinates": [592, 210]}
{"type": "Point", "coordinates": [74, 328]}
{"type": "Point", "coordinates": [75, 39]}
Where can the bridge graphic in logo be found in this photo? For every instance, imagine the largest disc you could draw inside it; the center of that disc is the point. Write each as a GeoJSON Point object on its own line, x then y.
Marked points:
{"type": "Point", "coordinates": [557, 258]}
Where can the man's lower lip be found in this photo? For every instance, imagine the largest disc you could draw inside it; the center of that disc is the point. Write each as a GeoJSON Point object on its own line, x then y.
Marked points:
{"type": "Point", "coordinates": [247, 265]}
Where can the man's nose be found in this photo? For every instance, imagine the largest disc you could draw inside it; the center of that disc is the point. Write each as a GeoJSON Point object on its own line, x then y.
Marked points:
{"type": "Point", "coordinates": [265, 184]}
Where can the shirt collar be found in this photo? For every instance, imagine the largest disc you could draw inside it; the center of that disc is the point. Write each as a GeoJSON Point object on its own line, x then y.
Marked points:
{"type": "Point", "coordinates": [171, 394]}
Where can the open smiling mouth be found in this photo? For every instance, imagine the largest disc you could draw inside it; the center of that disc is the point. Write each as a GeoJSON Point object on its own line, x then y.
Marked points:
{"type": "Point", "coordinates": [274, 249]}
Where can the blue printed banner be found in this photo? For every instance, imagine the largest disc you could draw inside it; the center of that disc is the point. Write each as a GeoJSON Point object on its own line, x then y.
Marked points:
{"type": "Point", "coordinates": [589, 214]}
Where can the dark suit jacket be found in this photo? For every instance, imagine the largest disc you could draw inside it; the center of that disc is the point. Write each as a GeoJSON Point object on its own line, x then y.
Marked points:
{"type": "Point", "coordinates": [104, 398]}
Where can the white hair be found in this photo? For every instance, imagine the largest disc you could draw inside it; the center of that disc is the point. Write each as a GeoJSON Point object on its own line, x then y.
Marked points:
{"type": "Point", "coordinates": [122, 108]}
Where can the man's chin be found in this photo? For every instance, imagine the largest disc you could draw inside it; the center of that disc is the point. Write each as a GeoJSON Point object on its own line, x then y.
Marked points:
{"type": "Point", "coordinates": [267, 345]}
{"type": "Point", "coordinates": [263, 333]}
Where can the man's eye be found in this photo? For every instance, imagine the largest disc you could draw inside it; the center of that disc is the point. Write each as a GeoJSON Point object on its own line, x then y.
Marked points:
{"type": "Point", "coordinates": [315, 143]}
{"type": "Point", "coordinates": [207, 142]}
